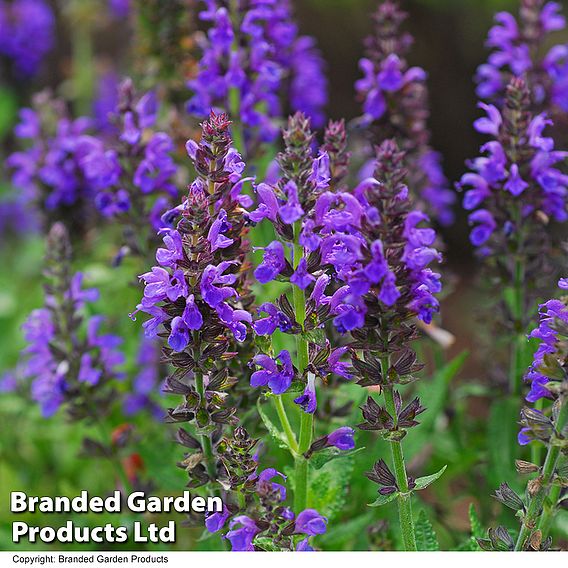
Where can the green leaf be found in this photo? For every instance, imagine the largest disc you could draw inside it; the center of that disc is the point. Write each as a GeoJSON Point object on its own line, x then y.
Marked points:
{"type": "Point", "coordinates": [272, 429]}
{"type": "Point", "coordinates": [433, 395]}
{"type": "Point", "coordinates": [423, 482]}
{"type": "Point", "coordinates": [319, 459]}
{"type": "Point", "coordinates": [426, 539]}
{"type": "Point", "coordinates": [266, 543]}
{"type": "Point", "coordinates": [477, 530]}
{"type": "Point", "coordinates": [383, 499]}
{"type": "Point", "coordinates": [329, 486]}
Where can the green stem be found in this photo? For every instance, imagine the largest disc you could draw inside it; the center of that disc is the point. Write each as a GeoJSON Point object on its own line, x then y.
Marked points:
{"type": "Point", "coordinates": [536, 501]}
{"type": "Point", "coordinates": [205, 439]}
{"type": "Point", "coordinates": [536, 448]}
{"type": "Point", "coordinates": [307, 420]}
{"type": "Point", "coordinates": [548, 510]}
{"type": "Point", "coordinates": [404, 497]}
{"type": "Point", "coordinates": [285, 422]}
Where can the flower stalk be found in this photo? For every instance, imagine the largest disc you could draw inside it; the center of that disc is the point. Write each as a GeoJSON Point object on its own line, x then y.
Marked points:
{"type": "Point", "coordinates": [536, 501]}
{"type": "Point", "coordinates": [404, 497]}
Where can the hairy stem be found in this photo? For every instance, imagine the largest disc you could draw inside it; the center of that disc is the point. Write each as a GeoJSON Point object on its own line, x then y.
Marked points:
{"type": "Point", "coordinates": [549, 510]}
{"type": "Point", "coordinates": [302, 358]}
{"type": "Point", "coordinates": [285, 422]}
{"type": "Point", "coordinates": [536, 501]}
{"type": "Point", "coordinates": [206, 439]}
{"type": "Point", "coordinates": [404, 497]}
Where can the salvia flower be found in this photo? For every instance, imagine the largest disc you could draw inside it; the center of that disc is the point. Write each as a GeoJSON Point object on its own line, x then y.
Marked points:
{"type": "Point", "coordinates": [146, 382]}
{"type": "Point", "coordinates": [515, 188]}
{"type": "Point", "coordinates": [27, 30]}
{"type": "Point", "coordinates": [510, 178]}
{"type": "Point", "coordinates": [277, 377]}
{"type": "Point", "coordinates": [256, 66]}
{"type": "Point", "coordinates": [197, 296]}
{"type": "Point", "coordinates": [523, 47]}
{"type": "Point", "coordinates": [48, 170]}
{"type": "Point", "coordinates": [395, 105]}
{"type": "Point", "coordinates": [69, 361]}
{"type": "Point", "coordinates": [132, 169]}
{"type": "Point", "coordinates": [545, 374]}
{"type": "Point", "coordinates": [342, 438]}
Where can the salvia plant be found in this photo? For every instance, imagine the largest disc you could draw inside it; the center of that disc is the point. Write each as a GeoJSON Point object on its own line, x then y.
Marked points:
{"type": "Point", "coordinates": [238, 295]}
{"type": "Point", "coordinates": [394, 97]}
{"type": "Point", "coordinates": [521, 46]}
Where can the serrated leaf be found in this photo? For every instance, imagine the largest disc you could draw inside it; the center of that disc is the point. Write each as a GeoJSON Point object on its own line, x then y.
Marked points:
{"type": "Point", "coordinates": [319, 459]}
{"type": "Point", "coordinates": [329, 486]}
{"type": "Point", "coordinates": [477, 531]}
{"type": "Point", "coordinates": [383, 500]}
{"type": "Point", "coordinates": [423, 482]}
{"type": "Point", "coordinates": [426, 539]}
{"type": "Point", "coordinates": [278, 436]}
{"type": "Point", "coordinates": [476, 528]}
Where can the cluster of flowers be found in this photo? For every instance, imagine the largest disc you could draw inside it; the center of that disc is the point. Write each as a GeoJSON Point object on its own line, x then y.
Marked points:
{"type": "Point", "coordinates": [515, 182]}
{"type": "Point", "coordinates": [369, 242]}
{"type": "Point", "coordinates": [48, 171]}
{"type": "Point", "coordinates": [120, 167]}
{"type": "Point", "coordinates": [268, 524]}
{"type": "Point", "coordinates": [214, 200]}
{"type": "Point", "coordinates": [26, 33]}
{"type": "Point", "coordinates": [133, 163]}
{"type": "Point", "coordinates": [395, 105]}
{"type": "Point", "coordinates": [546, 375]}
{"type": "Point", "coordinates": [521, 48]}
{"type": "Point", "coordinates": [540, 426]}
{"type": "Point", "coordinates": [70, 362]}
{"type": "Point", "coordinates": [253, 60]}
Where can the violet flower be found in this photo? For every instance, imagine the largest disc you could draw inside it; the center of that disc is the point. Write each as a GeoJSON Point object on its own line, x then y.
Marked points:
{"type": "Point", "coordinates": [197, 296]}
{"type": "Point", "coordinates": [131, 163]}
{"type": "Point", "coordinates": [67, 358]}
{"type": "Point", "coordinates": [395, 105]}
{"type": "Point", "coordinates": [523, 47]}
{"type": "Point", "coordinates": [253, 62]}
{"type": "Point", "coordinates": [47, 170]}
{"type": "Point", "coordinates": [27, 29]}
{"type": "Point", "coordinates": [342, 438]}
{"type": "Point", "coordinates": [515, 190]}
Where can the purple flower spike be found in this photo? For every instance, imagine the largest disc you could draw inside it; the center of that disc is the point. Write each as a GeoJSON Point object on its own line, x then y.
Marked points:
{"type": "Point", "coordinates": [342, 438]}
{"type": "Point", "coordinates": [310, 522]}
